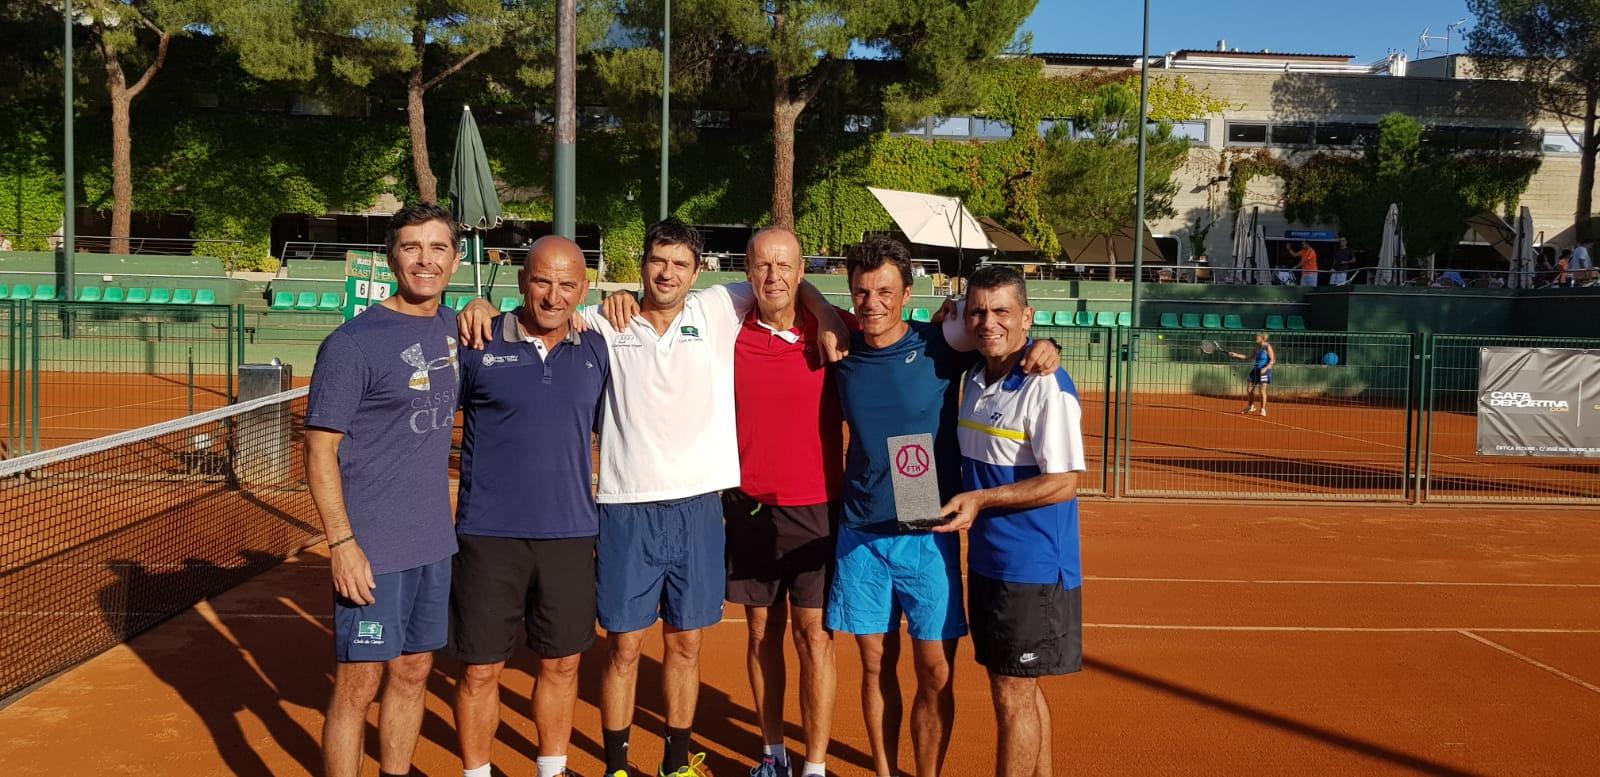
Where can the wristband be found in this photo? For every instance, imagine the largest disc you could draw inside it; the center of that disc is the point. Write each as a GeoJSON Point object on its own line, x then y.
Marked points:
{"type": "Point", "coordinates": [337, 543]}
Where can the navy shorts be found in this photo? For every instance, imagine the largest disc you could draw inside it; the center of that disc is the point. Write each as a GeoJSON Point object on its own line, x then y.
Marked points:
{"type": "Point", "coordinates": [1258, 375]}
{"type": "Point", "coordinates": [661, 560]}
{"type": "Point", "coordinates": [410, 613]}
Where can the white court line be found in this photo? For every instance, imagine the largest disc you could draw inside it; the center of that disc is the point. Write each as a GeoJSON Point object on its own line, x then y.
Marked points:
{"type": "Point", "coordinates": [1541, 665]}
{"type": "Point", "coordinates": [1223, 581]}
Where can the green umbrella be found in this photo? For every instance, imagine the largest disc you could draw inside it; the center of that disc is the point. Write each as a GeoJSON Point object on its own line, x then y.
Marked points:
{"type": "Point", "coordinates": [472, 195]}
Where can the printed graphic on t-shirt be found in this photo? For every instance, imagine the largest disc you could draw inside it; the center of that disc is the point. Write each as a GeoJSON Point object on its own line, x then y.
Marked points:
{"type": "Point", "coordinates": [437, 410]}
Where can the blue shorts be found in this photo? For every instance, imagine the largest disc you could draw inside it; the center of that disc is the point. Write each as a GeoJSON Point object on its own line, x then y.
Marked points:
{"type": "Point", "coordinates": [880, 576]}
{"type": "Point", "coordinates": [410, 613]}
{"type": "Point", "coordinates": [1258, 375]}
{"type": "Point", "coordinates": [661, 560]}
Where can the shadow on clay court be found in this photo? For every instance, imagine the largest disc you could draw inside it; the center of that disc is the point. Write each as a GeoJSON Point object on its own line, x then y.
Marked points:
{"type": "Point", "coordinates": [214, 668]}
{"type": "Point", "coordinates": [1263, 717]}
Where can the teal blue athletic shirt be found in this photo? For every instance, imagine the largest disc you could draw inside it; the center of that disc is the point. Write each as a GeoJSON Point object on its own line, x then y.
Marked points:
{"type": "Point", "coordinates": [910, 387]}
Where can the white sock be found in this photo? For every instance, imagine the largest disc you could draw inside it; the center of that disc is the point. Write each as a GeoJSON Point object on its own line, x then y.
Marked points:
{"type": "Point", "coordinates": [778, 752]}
{"type": "Point", "coordinates": [481, 771]}
{"type": "Point", "coordinates": [551, 765]}
{"type": "Point", "coordinates": [821, 770]}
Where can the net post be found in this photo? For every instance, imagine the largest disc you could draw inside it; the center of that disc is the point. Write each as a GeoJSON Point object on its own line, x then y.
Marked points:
{"type": "Point", "coordinates": [33, 375]}
{"type": "Point", "coordinates": [191, 380]}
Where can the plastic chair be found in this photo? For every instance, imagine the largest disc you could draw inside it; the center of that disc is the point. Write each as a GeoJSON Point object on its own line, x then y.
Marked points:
{"type": "Point", "coordinates": [1297, 324]}
{"type": "Point", "coordinates": [1063, 318]}
{"type": "Point", "coordinates": [89, 294]}
{"type": "Point", "coordinates": [282, 300]}
{"type": "Point", "coordinates": [44, 293]}
{"type": "Point", "coordinates": [1125, 319]}
{"type": "Point", "coordinates": [1041, 318]}
{"type": "Point", "coordinates": [307, 300]}
{"type": "Point", "coordinates": [330, 301]}
{"type": "Point", "coordinates": [1083, 318]}
{"type": "Point", "coordinates": [138, 295]}
{"type": "Point", "coordinates": [1275, 323]}
{"type": "Point", "coordinates": [508, 304]}
{"type": "Point", "coordinates": [1105, 318]}
{"type": "Point", "coordinates": [1189, 321]}
{"type": "Point", "coordinates": [1211, 321]}
{"type": "Point", "coordinates": [161, 296]}
{"type": "Point", "coordinates": [205, 297]}
{"type": "Point", "coordinates": [922, 314]}
{"type": "Point", "coordinates": [114, 294]}
{"type": "Point", "coordinates": [1169, 321]}
{"type": "Point", "coordinates": [5, 291]}
{"type": "Point", "coordinates": [183, 296]}
{"type": "Point", "coordinates": [22, 291]}
{"type": "Point", "coordinates": [1232, 321]}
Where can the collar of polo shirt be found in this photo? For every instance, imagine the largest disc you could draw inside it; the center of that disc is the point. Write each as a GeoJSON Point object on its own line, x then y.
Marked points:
{"type": "Point", "coordinates": [511, 331]}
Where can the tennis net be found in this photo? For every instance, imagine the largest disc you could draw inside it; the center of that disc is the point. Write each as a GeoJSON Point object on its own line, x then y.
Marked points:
{"type": "Point", "coordinates": [104, 539]}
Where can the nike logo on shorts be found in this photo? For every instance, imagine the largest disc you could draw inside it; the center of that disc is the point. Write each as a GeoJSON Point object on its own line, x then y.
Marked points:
{"type": "Point", "coordinates": [1027, 658]}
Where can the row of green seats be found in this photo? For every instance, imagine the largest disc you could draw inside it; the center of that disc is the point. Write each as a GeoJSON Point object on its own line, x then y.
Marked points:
{"type": "Point", "coordinates": [1229, 321]}
{"type": "Point", "coordinates": [328, 302]}
{"type": "Point", "coordinates": [136, 296]}
{"type": "Point", "coordinates": [1104, 318]}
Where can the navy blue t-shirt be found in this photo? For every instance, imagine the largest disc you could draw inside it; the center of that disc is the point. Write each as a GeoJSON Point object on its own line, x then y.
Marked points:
{"type": "Point", "coordinates": [910, 387]}
{"type": "Point", "coordinates": [526, 469]}
{"type": "Point", "coordinates": [390, 382]}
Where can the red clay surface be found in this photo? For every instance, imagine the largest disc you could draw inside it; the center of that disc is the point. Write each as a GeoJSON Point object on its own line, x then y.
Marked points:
{"type": "Point", "coordinates": [1221, 639]}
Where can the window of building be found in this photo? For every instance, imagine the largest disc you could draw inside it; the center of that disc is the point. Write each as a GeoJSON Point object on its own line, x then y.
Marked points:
{"type": "Point", "coordinates": [858, 122]}
{"type": "Point", "coordinates": [1197, 132]}
{"type": "Point", "coordinates": [1478, 138]}
{"type": "Point", "coordinates": [713, 119]}
{"type": "Point", "coordinates": [952, 126]}
{"type": "Point", "coordinates": [918, 127]}
{"type": "Point", "coordinates": [1440, 138]}
{"type": "Point", "coordinates": [1291, 134]}
{"type": "Point", "coordinates": [1046, 126]}
{"type": "Point", "coordinates": [1521, 140]}
{"type": "Point", "coordinates": [989, 129]}
{"type": "Point", "coordinates": [1336, 135]}
{"type": "Point", "coordinates": [1366, 134]}
{"type": "Point", "coordinates": [1557, 141]}
{"type": "Point", "coordinates": [1247, 133]}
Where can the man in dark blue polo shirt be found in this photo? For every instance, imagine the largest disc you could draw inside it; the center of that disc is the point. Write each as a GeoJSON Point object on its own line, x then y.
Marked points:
{"type": "Point", "coordinates": [525, 517]}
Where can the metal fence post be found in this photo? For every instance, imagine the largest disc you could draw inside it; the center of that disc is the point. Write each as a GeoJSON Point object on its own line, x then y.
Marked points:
{"type": "Point", "coordinates": [33, 346]}
{"type": "Point", "coordinates": [1108, 403]}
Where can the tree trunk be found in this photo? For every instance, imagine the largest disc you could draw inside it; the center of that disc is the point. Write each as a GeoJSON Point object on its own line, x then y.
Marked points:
{"type": "Point", "coordinates": [785, 114]}
{"type": "Point", "coordinates": [427, 185]}
{"type": "Point", "coordinates": [121, 160]}
{"type": "Point", "coordinates": [1586, 165]}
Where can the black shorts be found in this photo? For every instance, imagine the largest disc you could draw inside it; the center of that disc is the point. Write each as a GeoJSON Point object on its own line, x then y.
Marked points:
{"type": "Point", "coordinates": [775, 549]}
{"type": "Point", "coordinates": [1025, 629]}
{"type": "Point", "coordinates": [547, 585]}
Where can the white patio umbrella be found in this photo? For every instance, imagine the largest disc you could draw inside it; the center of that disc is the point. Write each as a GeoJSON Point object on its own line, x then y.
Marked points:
{"type": "Point", "coordinates": [933, 220]}
{"type": "Point", "coordinates": [1392, 250]}
{"type": "Point", "coordinates": [1522, 257]}
{"type": "Point", "coordinates": [1263, 260]}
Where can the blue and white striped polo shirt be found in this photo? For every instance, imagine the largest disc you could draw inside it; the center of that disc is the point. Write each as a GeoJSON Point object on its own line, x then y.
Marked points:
{"type": "Point", "coordinates": [1010, 431]}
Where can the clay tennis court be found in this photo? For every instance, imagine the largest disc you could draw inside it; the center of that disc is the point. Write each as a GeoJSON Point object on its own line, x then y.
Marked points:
{"type": "Point", "coordinates": [77, 406]}
{"type": "Point", "coordinates": [1285, 638]}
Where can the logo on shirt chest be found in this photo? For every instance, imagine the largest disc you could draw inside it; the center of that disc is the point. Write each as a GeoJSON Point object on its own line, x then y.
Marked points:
{"type": "Point", "coordinates": [422, 366]}
{"type": "Point", "coordinates": [627, 340]}
{"type": "Point", "coordinates": [489, 359]}
{"type": "Point", "coordinates": [689, 331]}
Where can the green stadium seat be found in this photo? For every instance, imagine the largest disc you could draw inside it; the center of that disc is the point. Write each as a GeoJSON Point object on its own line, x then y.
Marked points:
{"type": "Point", "coordinates": [22, 291]}
{"type": "Point", "coordinates": [1275, 322]}
{"type": "Point", "coordinates": [114, 294]}
{"type": "Point", "coordinates": [1063, 318]}
{"type": "Point", "coordinates": [5, 291]}
{"type": "Point", "coordinates": [281, 300]}
{"type": "Point", "coordinates": [905, 314]}
{"type": "Point", "coordinates": [330, 301]}
{"type": "Point", "coordinates": [161, 295]}
{"type": "Point", "coordinates": [1125, 319]}
{"type": "Point", "coordinates": [1105, 318]}
{"type": "Point", "coordinates": [205, 297]}
{"type": "Point", "coordinates": [307, 300]}
{"type": "Point", "coordinates": [1169, 321]}
{"type": "Point", "coordinates": [44, 293]}
{"type": "Point", "coordinates": [508, 304]}
{"type": "Point", "coordinates": [1083, 318]}
{"type": "Point", "coordinates": [1296, 323]}
{"type": "Point", "coordinates": [138, 295]}
{"type": "Point", "coordinates": [1189, 321]}
{"type": "Point", "coordinates": [89, 294]}
{"type": "Point", "coordinates": [1041, 318]}
{"type": "Point", "coordinates": [183, 296]}
{"type": "Point", "coordinates": [1211, 321]}
{"type": "Point", "coordinates": [922, 314]}
{"type": "Point", "coordinates": [1232, 321]}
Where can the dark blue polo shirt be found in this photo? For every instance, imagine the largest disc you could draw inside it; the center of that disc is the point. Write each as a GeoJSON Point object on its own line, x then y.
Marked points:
{"type": "Point", "coordinates": [526, 469]}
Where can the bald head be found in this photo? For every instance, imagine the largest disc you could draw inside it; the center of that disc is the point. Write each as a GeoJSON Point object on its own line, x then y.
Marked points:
{"type": "Point", "coordinates": [554, 282]}
{"type": "Point", "coordinates": [773, 238]}
{"type": "Point", "coordinates": [773, 266]}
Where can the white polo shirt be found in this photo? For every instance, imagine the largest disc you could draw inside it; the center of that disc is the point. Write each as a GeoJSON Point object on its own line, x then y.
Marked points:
{"type": "Point", "coordinates": [668, 429]}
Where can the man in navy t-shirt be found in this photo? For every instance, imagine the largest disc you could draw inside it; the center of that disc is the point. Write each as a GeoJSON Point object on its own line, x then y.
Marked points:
{"type": "Point", "coordinates": [382, 403]}
{"type": "Point", "coordinates": [526, 518]}
{"type": "Point", "coordinates": [901, 378]}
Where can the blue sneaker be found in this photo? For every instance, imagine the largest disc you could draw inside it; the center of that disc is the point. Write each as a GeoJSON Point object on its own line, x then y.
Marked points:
{"type": "Point", "coordinates": [767, 767]}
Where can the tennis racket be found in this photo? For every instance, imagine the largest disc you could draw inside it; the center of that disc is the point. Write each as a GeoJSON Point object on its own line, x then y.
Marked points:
{"type": "Point", "coordinates": [1209, 347]}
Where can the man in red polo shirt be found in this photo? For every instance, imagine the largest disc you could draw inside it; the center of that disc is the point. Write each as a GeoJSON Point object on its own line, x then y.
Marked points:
{"type": "Point", "coordinates": [781, 519]}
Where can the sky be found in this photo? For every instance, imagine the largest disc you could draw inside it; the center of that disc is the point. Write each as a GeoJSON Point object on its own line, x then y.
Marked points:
{"type": "Point", "coordinates": [1366, 29]}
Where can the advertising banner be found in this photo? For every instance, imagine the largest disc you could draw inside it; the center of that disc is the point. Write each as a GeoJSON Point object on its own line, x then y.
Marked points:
{"type": "Point", "coordinates": [1538, 402]}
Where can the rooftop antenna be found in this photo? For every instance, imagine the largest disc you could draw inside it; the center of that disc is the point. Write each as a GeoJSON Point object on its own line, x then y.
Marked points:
{"type": "Point", "coordinates": [1450, 29]}
{"type": "Point", "coordinates": [1425, 45]}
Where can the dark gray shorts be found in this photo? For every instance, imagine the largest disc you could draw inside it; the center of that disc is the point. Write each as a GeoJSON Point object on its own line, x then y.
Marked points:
{"type": "Point", "coordinates": [1025, 629]}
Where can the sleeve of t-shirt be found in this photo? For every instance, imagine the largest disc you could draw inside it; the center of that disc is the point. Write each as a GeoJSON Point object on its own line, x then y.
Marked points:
{"type": "Point", "coordinates": [338, 383]}
{"type": "Point", "coordinates": [728, 303]}
{"type": "Point", "coordinates": [1057, 433]}
{"type": "Point", "coordinates": [955, 332]}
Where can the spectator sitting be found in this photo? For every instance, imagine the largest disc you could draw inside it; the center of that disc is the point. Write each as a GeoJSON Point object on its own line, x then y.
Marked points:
{"type": "Point", "coordinates": [1449, 279]}
{"type": "Point", "coordinates": [5, 242]}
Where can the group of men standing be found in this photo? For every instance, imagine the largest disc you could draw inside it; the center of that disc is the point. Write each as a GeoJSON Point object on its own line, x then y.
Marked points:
{"type": "Point", "coordinates": [721, 415]}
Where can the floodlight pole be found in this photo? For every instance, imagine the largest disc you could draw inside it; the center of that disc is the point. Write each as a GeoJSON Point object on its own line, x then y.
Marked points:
{"type": "Point", "coordinates": [566, 118]}
{"type": "Point", "coordinates": [69, 236]}
{"type": "Point", "coordinates": [1144, 117]}
{"type": "Point", "coordinates": [666, 94]}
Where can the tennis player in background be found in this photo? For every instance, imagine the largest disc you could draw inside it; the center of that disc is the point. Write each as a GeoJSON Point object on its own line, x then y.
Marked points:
{"type": "Point", "coordinates": [1260, 377]}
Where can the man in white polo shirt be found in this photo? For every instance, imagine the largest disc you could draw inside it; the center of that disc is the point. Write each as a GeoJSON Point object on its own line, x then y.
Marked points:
{"type": "Point", "coordinates": [668, 446]}
{"type": "Point", "coordinates": [1021, 452]}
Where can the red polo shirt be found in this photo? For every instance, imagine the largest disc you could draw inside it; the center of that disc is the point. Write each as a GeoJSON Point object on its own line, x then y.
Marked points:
{"type": "Point", "coordinates": [791, 439]}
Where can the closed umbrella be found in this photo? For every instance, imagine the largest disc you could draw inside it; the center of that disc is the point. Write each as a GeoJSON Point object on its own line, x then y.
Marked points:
{"type": "Point", "coordinates": [1522, 261]}
{"type": "Point", "coordinates": [473, 201]}
{"type": "Point", "coordinates": [1392, 249]}
{"type": "Point", "coordinates": [1241, 248]}
{"type": "Point", "coordinates": [1263, 260]}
